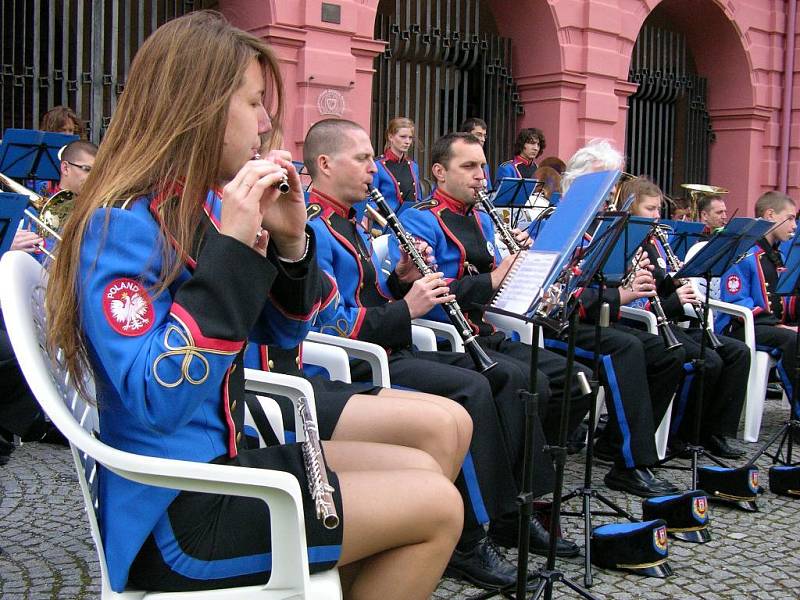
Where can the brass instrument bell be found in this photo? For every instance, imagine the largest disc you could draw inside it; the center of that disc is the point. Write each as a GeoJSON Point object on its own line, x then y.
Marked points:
{"type": "Point", "coordinates": [696, 191]}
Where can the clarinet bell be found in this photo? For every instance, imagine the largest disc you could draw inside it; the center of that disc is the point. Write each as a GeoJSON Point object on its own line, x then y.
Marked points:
{"type": "Point", "coordinates": [478, 355]}
{"type": "Point", "coordinates": [670, 340]}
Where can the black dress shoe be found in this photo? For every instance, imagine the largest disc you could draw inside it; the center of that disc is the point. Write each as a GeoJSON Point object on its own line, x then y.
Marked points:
{"type": "Point", "coordinates": [638, 481]}
{"type": "Point", "coordinates": [720, 447]}
{"type": "Point", "coordinates": [482, 565]}
{"type": "Point", "coordinates": [603, 451]}
{"type": "Point", "coordinates": [506, 533]}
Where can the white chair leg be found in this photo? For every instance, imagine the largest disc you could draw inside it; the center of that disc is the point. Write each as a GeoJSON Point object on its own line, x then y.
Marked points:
{"type": "Point", "coordinates": [756, 392]}
{"type": "Point", "coordinates": [662, 433]}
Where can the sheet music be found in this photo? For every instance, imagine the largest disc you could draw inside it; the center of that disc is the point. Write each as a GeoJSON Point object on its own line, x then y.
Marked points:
{"type": "Point", "coordinates": [522, 286]}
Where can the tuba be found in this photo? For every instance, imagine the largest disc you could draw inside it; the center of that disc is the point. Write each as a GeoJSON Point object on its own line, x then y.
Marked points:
{"type": "Point", "coordinates": [53, 211]}
{"type": "Point", "coordinates": [697, 191]}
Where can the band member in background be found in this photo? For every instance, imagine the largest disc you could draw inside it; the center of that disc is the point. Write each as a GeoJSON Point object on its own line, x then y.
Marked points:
{"type": "Point", "coordinates": [479, 129]}
{"type": "Point", "coordinates": [397, 177]}
{"type": "Point", "coordinates": [639, 374]}
{"type": "Point", "coordinates": [379, 309]}
{"type": "Point", "coordinates": [62, 119]}
{"type": "Point", "coordinates": [751, 283]}
{"type": "Point", "coordinates": [713, 213]}
{"type": "Point", "coordinates": [726, 368]}
{"type": "Point", "coordinates": [463, 243]}
{"type": "Point", "coordinates": [187, 248]}
{"type": "Point", "coordinates": [528, 147]}
{"type": "Point", "coordinates": [77, 160]}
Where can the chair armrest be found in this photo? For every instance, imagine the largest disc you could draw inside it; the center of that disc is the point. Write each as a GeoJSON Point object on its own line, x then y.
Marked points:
{"type": "Point", "coordinates": [445, 330]}
{"type": "Point", "coordinates": [262, 382]}
{"type": "Point", "coordinates": [423, 338]}
{"type": "Point", "coordinates": [510, 324]}
{"type": "Point", "coordinates": [332, 359]}
{"type": "Point", "coordinates": [372, 353]}
{"type": "Point", "coordinates": [642, 316]}
{"type": "Point", "coordinates": [274, 416]}
{"type": "Point", "coordinates": [738, 311]}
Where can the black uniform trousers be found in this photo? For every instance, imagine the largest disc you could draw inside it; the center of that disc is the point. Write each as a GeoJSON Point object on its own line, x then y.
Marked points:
{"type": "Point", "coordinates": [493, 468]}
{"type": "Point", "coordinates": [552, 367]}
{"type": "Point", "coordinates": [640, 377]}
{"type": "Point", "coordinates": [19, 409]}
{"type": "Point", "coordinates": [780, 343]}
{"type": "Point", "coordinates": [724, 386]}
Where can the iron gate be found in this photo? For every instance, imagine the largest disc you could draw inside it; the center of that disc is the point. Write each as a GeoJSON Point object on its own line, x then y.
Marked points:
{"type": "Point", "coordinates": [73, 53]}
{"type": "Point", "coordinates": [444, 62]}
{"type": "Point", "coordinates": [669, 129]}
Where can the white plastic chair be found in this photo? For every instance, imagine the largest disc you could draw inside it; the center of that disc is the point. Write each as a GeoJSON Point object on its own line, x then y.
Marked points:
{"type": "Point", "coordinates": [21, 297]}
{"type": "Point", "coordinates": [649, 319]}
{"type": "Point", "coordinates": [760, 365]}
{"type": "Point", "coordinates": [372, 353]}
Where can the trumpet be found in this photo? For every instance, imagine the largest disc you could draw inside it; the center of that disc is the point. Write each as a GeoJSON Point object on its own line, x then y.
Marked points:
{"type": "Point", "coordinates": [478, 355]}
{"type": "Point", "coordinates": [674, 262]}
{"type": "Point", "coordinates": [670, 340]}
{"type": "Point", "coordinates": [52, 211]}
{"type": "Point", "coordinates": [504, 230]}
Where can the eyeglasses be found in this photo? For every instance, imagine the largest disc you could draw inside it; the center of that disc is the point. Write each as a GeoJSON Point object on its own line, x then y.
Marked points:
{"type": "Point", "coordinates": [84, 168]}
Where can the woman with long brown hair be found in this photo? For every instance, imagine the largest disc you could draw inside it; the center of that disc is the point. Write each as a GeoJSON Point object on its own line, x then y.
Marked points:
{"type": "Point", "coordinates": [184, 250]}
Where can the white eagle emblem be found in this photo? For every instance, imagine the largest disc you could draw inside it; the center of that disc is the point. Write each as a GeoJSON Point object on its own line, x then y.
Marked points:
{"type": "Point", "coordinates": [734, 284]}
{"type": "Point", "coordinates": [128, 307]}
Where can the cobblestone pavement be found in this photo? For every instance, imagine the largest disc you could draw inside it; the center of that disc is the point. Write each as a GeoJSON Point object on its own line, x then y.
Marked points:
{"type": "Point", "coordinates": [48, 551]}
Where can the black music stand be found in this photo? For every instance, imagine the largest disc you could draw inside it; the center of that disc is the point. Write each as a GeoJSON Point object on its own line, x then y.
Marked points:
{"type": "Point", "coordinates": [623, 240]}
{"type": "Point", "coordinates": [716, 257]}
{"type": "Point", "coordinates": [550, 261]}
{"type": "Point", "coordinates": [788, 285]}
{"type": "Point", "coordinates": [684, 235]}
{"type": "Point", "coordinates": [12, 208]}
{"type": "Point", "coordinates": [513, 193]}
{"type": "Point", "coordinates": [32, 154]}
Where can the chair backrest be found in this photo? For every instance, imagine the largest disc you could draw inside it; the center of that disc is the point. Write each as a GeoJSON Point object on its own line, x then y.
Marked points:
{"type": "Point", "coordinates": [22, 299]}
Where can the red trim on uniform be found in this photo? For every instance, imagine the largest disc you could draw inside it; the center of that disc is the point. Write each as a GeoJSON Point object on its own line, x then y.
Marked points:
{"type": "Point", "coordinates": [362, 313]}
{"type": "Point", "coordinates": [226, 409]}
{"type": "Point", "coordinates": [330, 203]}
{"type": "Point", "coordinates": [300, 356]}
{"type": "Point", "coordinates": [263, 355]}
{"type": "Point", "coordinates": [389, 154]}
{"type": "Point", "coordinates": [397, 193]}
{"type": "Point", "coordinates": [334, 289]}
{"type": "Point", "coordinates": [294, 317]}
{"type": "Point", "coordinates": [448, 201]}
{"type": "Point", "coordinates": [200, 340]}
{"type": "Point", "coordinates": [762, 279]}
{"type": "Point", "coordinates": [155, 202]}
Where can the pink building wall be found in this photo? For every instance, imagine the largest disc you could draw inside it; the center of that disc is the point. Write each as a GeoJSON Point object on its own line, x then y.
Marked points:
{"type": "Point", "coordinates": [577, 83]}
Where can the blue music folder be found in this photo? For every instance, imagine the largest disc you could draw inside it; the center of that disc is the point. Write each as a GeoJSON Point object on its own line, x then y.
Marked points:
{"type": "Point", "coordinates": [32, 154]}
{"type": "Point", "coordinates": [12, 208]}
{"type": "Point", "coordinates": [513, 192]}
{"type": "Point", "coordinates": [725, 247]}
{"type": "Point", "coordinates": [632, 237]}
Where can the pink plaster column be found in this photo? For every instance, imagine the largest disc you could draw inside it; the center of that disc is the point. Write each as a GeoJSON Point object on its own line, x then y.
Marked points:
{"type": "Point", "coordinates": [736, 160]}
{"type": "Point", "coordinates": [327, 67]}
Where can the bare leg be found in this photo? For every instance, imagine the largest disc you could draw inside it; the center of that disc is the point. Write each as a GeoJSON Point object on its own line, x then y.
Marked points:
{"type": "Point", "coordinates": [400, 528]}
{"type": "Point", "coordinates": [431, 423]}
{"type": "Point", "coordinates": [369, 456]}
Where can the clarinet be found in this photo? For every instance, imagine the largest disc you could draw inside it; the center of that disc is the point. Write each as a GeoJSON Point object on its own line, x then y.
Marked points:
{"type": "Point", "coordinates": [478, 355]}
{"type": "Point", "coordinates": [504, 230]}
{"type": "Point", "coordinates": [318, 485]}
{"type": "Point", "coordinates": [675, 264]}
{"type": "Point", "coordinates": [670, 340]}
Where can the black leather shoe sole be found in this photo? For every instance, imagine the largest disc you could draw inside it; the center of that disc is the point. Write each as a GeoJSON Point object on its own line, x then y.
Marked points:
{"type": "Point", "coordinates": [456, 573]}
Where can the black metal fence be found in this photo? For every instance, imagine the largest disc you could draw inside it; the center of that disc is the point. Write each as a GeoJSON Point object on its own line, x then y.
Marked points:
{"type": "Point", "coordinates": [444, 62]}
{"type": "Point", "coordinates": [669, 129]}
{"type": "Point", "coordinates": [73, 53]}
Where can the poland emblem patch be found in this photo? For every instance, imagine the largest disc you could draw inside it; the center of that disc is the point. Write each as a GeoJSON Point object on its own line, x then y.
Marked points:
{"type": "Point", "coordinates": [734, 284]}
{"type": "Point", "coordinates": [127, 307]}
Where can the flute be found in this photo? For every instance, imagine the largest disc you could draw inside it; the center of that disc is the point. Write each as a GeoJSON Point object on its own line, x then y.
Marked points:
{"type": "Point", "coordinates": [283, 184]}
{"type": "Point", "coordinates": [318, 485]}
